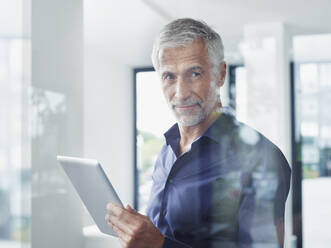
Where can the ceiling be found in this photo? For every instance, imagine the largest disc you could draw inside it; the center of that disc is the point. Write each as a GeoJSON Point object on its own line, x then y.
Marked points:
{"type": "Point", "coordinates": [110, 24]}
{"type": "Point", "coordinates": [309, 16]}
{"type": "Point", "coordinates": [136, 22]}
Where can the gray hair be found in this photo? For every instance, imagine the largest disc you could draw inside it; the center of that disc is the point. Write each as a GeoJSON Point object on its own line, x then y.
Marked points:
{"type": "Point", "coordinates": [181, 32]}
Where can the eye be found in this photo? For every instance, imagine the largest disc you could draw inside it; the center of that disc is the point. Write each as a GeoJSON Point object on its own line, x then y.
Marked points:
{"type": "Point", "coordinates": [168, 76]}
{"type": "Point", "coordinates": [195, 74]}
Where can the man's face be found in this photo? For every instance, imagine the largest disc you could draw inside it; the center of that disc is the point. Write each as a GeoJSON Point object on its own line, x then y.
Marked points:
{"type": "Point", "coordinates": [188, 83]}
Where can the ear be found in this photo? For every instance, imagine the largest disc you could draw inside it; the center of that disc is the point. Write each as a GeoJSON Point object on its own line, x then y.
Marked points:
{"type": "Point", "coordinates": [222, 74]}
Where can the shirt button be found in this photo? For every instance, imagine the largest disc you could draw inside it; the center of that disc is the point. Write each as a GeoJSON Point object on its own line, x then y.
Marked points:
{"type": "Point", "coordinates": [171, 181]}
{"type": "Point", "coordinates": [164, 212]}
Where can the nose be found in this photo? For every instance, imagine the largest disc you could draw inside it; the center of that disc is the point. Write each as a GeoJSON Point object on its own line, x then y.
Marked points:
{"type": "Point", "coordinates": [182, 89]}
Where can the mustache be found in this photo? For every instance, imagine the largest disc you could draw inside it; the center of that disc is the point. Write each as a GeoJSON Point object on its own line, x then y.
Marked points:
{"type": "Point", "coordinates": [185, 102]}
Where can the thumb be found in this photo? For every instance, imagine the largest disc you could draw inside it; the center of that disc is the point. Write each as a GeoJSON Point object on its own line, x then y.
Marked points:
{"type": "Point", "coordinates": [130, 209]}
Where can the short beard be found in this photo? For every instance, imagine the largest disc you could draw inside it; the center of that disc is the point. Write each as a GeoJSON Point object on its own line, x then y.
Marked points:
{"type": "Point", "coordinates": [206, 107]}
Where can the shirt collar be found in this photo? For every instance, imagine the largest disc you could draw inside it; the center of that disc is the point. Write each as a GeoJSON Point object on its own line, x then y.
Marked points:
{"type": "Point", "coordinates": [172, 134]}
{"type": "Point", "coordinates": [223, 124]}
{"type": "Point", "coordinates": [221, 127]}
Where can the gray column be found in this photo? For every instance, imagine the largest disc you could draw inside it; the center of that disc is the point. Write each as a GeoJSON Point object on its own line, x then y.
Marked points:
{"type": "Point", "coordinates": [57, 117]}
{"type": "Point", "coordinates": [266, 51]}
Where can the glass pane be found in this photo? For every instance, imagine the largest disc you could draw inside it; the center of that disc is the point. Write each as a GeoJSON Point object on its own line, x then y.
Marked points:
{"type": "Point", "coordinates": [325, 75]}
{"type": "Point", "coordinates": [241, 94]}
{"type": "Point", "coordinates": [314, 123]}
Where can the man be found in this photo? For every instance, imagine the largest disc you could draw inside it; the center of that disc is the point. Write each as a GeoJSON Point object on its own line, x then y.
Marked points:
{"type": "Point", "coordinates": [216, 182]}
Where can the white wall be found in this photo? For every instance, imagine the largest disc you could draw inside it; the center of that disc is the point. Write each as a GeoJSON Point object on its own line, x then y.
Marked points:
{"type": "Point", "coordinates": [112, 50]}
{"type": "Point", "coordinates": [266, 51]}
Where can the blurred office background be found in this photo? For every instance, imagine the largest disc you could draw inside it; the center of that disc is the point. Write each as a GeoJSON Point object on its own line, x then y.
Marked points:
{"type": "Point", "coordinates": [76, 79]}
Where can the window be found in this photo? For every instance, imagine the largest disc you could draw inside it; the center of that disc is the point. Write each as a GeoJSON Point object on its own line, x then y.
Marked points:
{"type": "Point", "coordinates": [153, 119]}
{"type": "Point", "coordinates": [312, 93]}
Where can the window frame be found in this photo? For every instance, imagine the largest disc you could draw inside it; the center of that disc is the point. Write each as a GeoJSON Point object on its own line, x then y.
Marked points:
{"type": "Point", "coordinates": [135, 132]}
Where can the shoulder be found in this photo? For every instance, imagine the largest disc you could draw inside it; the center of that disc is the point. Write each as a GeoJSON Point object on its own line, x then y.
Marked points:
{"type": "Point", "coordinates": [250, 141]}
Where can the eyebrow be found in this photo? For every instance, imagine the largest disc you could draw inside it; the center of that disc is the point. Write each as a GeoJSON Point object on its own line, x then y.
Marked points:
{"type": "Point", "coordinates": [167, 72]}
{"type": "Point", "coordinates": [193, 68]}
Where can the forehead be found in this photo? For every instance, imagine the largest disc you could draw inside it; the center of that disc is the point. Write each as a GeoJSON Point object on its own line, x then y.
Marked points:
{"type": "Point", "coordinates": [182, 56]}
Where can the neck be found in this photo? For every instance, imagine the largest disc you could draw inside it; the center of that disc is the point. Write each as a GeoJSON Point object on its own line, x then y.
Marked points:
{"type": "Point", "coordinates": [188, 134]}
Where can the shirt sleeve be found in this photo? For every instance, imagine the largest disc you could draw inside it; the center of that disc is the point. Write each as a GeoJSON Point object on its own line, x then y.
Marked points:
{"type": "Point", "coordinates": [170, 243]}
{"type": "Point", "coordinates": [261, 213]}
{"type": "Point", "coordinates": [284, 178]}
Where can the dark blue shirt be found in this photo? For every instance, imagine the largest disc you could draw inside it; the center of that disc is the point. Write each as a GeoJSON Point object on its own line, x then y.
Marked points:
{"type": "Point", "coordinates": [228, 190]}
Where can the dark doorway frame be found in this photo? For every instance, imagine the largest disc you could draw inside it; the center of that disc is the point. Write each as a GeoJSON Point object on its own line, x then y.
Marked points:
{"type": "Point", "coordinates": [136, 175]}
{"type": "Point", "coordinates": [296, 166]}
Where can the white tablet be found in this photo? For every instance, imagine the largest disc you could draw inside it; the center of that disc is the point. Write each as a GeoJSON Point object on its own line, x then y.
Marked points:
{"type": "Point", "coordinates": [93, 187]}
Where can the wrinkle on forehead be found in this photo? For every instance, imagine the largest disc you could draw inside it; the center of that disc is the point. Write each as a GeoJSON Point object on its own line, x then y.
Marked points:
{"type": "Point", "coordinates": [192, 53]}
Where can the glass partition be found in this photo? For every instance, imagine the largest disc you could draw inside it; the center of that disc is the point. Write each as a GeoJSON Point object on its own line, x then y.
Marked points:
{"type": "Point", "coordinates": [313, 123]}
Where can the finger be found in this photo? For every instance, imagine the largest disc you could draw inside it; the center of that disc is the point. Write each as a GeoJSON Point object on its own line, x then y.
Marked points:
{"type": "Point", "coordinates": [124, 238]}
{"type": "Point", "coordinates": [123, 244]}
{"type": "Point", "coordinates": [125, 219]}
{"type": "Point", "coordinates": [107, 218]}
{"type": "Point", "coordinates": [116, 210]}
{"type": "Point", "coordinates": [130, 209]}
{"type": "Point", "coordinates": [135, 212]}
{"type": "Point", "coordinates": [112, 207]}
{"type": "Point", "coordinates": [120, 224]}
{"type": "Point", "coordinates": [128, 216]}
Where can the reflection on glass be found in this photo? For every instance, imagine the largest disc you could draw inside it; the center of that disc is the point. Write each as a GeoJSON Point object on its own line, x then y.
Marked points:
{"type": "Point", "coordinates": [48, 111]}
{"type": "Point", "coordinates": [313, 94]}
{"type": "Point", "coordinates": [241, 94]}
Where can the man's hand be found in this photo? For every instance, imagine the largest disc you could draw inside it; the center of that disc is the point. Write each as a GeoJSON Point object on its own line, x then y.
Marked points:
{"type": "Point", "coordinates": [133, 229]}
